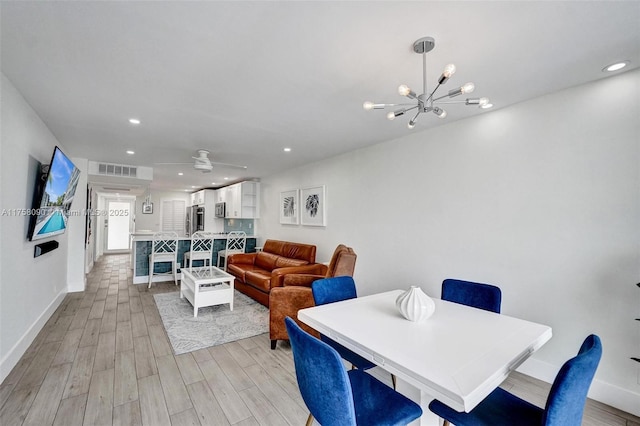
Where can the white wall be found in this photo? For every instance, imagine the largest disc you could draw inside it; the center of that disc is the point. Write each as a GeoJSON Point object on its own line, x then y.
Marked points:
{"type": "Point", "coordinates": [541, 198]}
{"type": "Point", "coordinates": [30, 288]}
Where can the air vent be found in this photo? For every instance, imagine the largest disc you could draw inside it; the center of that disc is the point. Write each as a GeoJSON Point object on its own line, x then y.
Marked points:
{"type": "Point", "coordinates": [106, 169]}
{"type": "Point", "coordinates": [104, 188]}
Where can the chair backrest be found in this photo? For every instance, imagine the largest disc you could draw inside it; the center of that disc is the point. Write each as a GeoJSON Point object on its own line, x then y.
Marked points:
{"type": "Point", "coordinates": [236, 241]}
{"type": "Point", "coordinates": [322, 378]}
{"type": "Point", "coordinates": [329, 290]}
{"type": "Point", "coordinates": [343, 262]}
{"type": "Point", "coordinates": [482, 296]}
{"type": "Point", "coordinates": [568, 394]}
{"type": "Point", "coordinates": [202, 242]}
{"type": "Point", "coordinates": [164, 243]}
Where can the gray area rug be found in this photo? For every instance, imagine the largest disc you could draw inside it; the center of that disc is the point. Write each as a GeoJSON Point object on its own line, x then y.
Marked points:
{"type": "Point", "coordinates": [214, 325]}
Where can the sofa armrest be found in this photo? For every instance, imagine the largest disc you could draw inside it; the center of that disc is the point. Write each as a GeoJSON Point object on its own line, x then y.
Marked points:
{"type": "Point", "coordinates": [278, 274]}
{"type": "Point", "coordinates": [244, 258]}
{"type": "Point", "coordinates": [300, 280]}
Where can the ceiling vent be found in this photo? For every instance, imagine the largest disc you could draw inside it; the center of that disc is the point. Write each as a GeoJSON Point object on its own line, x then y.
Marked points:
{"type": "Point", "coordinates": [106, 169]}
{"type": "Point", "coordinates": [109, 189]}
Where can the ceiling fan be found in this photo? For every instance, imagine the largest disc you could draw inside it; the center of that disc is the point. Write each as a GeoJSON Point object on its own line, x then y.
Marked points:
{"type": "Point", "coordinates": [203, 163]}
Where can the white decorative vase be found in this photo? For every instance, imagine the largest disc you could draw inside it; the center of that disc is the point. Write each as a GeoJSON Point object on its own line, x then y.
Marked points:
{"type": "Point", "coordinates": [415, 305]}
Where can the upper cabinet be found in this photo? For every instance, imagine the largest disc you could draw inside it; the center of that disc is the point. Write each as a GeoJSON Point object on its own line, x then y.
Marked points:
{"type": "Point", "coordinates": [243, 200]}
{"type": "Point", "coordinates": [204, 197]}
{"type": "Point", "coordinates": [197, 198]}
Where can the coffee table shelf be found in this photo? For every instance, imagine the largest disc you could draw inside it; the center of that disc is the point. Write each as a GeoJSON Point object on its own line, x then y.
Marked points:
{"type": "Point", "coordinates": [206, 286]}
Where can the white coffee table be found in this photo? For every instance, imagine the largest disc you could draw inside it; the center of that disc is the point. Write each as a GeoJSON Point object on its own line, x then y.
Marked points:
{"type": "Point", "coordinates": [206, 286]}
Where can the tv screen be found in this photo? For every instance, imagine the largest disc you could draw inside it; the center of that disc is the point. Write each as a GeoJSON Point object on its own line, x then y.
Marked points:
{"type": "Point", "coordinates": [53, 197]}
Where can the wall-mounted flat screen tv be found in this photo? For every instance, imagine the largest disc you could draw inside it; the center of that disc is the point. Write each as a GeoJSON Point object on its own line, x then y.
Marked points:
{"type": "Point", "coordinates": [53, 196]}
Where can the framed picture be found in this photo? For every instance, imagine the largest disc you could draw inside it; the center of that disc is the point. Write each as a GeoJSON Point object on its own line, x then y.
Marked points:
{"type": "Point", "coordinates": [289, 206]}
{"type": "Point", "coordinates": [147, 208]}
{"type": "Point", "coordinates": [313, 206]}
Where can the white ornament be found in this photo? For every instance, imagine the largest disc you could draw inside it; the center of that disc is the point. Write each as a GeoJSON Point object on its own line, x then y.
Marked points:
{"type": "Point", "coordinates": [415, 305]}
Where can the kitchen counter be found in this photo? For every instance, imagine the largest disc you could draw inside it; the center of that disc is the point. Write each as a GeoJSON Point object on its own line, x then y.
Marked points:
{"type": "Point", "coordinates": [141, 249]}
{"type": "Point", "coordinates": [148, 236]}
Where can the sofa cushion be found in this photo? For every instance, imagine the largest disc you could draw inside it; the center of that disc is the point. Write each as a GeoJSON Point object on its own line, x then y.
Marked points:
{"type": "Point", "coordinates": [283, 262]}
{"type": "Point", "coordinates": [266, 260]}
{"type": "Point", "coordinates": [238, 270]}
{"type": "Point", "coordinates": [259, 278]}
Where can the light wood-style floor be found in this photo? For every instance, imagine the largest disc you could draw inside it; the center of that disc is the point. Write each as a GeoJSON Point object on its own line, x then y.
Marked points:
{"type": "Point", "coordinates": [103, 358]}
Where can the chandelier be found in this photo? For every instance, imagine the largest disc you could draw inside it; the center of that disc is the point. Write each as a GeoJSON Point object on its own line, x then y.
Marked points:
{"type": "Point", "coordinates": [427, 102]}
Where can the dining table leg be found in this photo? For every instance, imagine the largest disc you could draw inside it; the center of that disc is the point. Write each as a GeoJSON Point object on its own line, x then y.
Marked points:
{"type": "Point", "coordinates": [428, 418]}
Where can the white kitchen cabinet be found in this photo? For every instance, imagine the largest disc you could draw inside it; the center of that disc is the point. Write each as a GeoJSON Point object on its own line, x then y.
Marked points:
{"type": "Point", "coordinates": [242, 200]}
{"type": "Point", "coordinates": [198, 198]}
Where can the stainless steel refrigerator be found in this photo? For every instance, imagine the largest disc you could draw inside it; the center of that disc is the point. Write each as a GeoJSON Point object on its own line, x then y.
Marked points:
{"type": "Point", "coordinates": [194, 219]}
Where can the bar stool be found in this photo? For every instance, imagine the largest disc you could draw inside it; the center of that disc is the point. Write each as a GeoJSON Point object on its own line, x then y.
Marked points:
{"type": "Point", "coordinates": [236, 242]}
{"type": "Point", "coordinates": [164, 248]}
{"type": "Point", "coordinates": [201, 249]}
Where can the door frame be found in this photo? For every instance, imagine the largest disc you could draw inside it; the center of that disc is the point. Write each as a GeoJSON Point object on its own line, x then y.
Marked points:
{"type": "Point", "coordinates": [107, 199]}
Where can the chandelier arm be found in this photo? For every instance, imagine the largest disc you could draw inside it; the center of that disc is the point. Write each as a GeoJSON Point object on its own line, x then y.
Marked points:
{"type": "Point", "coordinates": [442, 97]}
{"type": "Point", "coordinates": [448, 102]}
{"type": "Point", "coordinates": [430, 98]}
{"type": "Point", "coordinates": [395, 105]}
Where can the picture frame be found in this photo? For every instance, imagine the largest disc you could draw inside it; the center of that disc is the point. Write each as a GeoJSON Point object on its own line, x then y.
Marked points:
{"type": "Point", "coordinates": [289, 207]}
{"type": "Point", "coordinates": [313, 206]}
{"type": "Point", "coordinates": [147, 208]}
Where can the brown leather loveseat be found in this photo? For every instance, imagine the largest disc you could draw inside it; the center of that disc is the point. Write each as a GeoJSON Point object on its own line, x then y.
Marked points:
{"type": "Point", "coordinates": [257, 273]}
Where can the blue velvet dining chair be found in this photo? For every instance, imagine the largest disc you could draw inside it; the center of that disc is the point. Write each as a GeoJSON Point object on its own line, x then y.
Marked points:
{"type": "Point", "coordinates": [336, 289]}
{"type": "Point", "coordinates": [565, 403]}
{"type": "Point", "coordinates": [337, 397]}
{"type": "Point", "coordinates": [477, 295]}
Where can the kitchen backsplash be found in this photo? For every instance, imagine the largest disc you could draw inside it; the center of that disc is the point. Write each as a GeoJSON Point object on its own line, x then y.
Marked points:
{"type": "Point", "coordinates": [245, 225]}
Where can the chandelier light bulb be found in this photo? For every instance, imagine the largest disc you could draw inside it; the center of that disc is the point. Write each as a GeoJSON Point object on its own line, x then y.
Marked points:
{"type": "Point", "coordinates": [449, 70]}
{"type": "Point", "coordinates": [391, 115]}
{"type": "Point", "coordinates": [403, 90]}
{"type": "Point", "coordinates": [484, 103]}
{"type": "Point", "coordinates": [440, 112]}
{"type": "Point", "coordinates": [368, 106]}
{"type": "Point", "coordinates": [468, 87]}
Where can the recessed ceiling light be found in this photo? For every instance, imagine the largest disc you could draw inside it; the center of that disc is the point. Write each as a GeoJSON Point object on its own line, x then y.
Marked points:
{"type": "Point", "coordinates": [287, 150]}
{"type": "Point", "coordinates": [134, 121]}
{"type": "Point", "coordinates": [615, 67]}
{"type": "Point", "coordinates": [213, 183]}
{"type": "Point", "coordinates": [226, 178]}
{"type": "Point", "coordinates": [130, 152]}
{"type": "Point", "coordinates": [180, 174]}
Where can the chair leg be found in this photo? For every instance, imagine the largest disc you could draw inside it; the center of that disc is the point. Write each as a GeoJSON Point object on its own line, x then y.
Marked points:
{"type": "Point", "coordinates": [309, 420]}
{"type": "Point", "coordinates": [446, 423]}
{"type": "Point", "coordinates": [175, 272]}
{"type": "Point", "coordinates": [150, 274]}
{"type": "Point", "coordinates": [273, 344]}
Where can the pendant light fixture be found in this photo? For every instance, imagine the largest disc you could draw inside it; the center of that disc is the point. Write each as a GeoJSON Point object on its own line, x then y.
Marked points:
{"type": "Point", "coordinates": [427, 102]}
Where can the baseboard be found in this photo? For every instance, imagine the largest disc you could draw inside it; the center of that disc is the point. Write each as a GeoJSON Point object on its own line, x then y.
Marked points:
{"type": "Point", "coordinates": [15, 353]}
{"type": "Point", "coordinates": [617, 397]}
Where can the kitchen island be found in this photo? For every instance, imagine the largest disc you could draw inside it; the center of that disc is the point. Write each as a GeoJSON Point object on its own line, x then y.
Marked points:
{"type": "Point", "coordinates": [141, 250]}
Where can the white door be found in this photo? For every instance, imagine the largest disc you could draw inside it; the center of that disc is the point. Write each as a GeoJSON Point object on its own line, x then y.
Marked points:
{"type": "Point", "coordinates": [118, 225]}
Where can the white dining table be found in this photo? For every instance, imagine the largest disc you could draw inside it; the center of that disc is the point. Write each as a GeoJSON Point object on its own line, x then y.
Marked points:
{"type": "Point", "coordinates": [459, 355]}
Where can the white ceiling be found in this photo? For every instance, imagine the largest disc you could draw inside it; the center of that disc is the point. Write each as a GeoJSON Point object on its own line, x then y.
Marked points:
{"type": "Point", "coordinates": [246, 79]}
